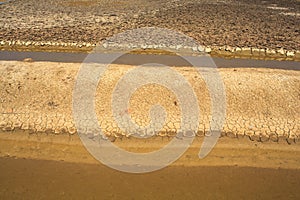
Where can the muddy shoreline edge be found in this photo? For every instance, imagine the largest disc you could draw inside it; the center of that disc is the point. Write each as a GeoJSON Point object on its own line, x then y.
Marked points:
{"type": "Point", "coordinates": [221, 51]}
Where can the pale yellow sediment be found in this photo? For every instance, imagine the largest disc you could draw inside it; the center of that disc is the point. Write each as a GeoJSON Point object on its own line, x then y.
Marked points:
{"type": "Point", "coordinates": [262, 104]}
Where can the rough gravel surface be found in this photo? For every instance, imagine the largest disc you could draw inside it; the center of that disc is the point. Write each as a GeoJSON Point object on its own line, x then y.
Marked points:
{"type": "Point", "coordinates": [237, 23]}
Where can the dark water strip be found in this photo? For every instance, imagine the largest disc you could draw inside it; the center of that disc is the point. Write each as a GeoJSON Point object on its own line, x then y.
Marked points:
{"type": "Point", "coordinates": [134, 59]}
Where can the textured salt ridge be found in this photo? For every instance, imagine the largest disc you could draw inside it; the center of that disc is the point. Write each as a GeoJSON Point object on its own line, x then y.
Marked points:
{"type": "Point", "coordinates": [261, 104]}
{"type": "Point", "coordinates": [223, 51]}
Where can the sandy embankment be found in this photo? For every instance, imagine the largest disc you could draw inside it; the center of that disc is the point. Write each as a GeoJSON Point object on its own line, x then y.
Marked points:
{"type": "Point", "coordinates": [262, 114]}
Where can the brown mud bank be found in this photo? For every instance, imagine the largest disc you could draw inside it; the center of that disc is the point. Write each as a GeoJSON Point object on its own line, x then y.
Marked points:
{"type": "Point", "coordinates": [228, 152]}
{"type": "Point", "coordinates": [53, 166]}
{"type": "Point", "coordinates": [40, 179]}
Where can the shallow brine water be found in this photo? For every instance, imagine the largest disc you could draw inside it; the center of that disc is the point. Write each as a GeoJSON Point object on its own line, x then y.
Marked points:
{"type": "Point", "coordinates": [138, 59]}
